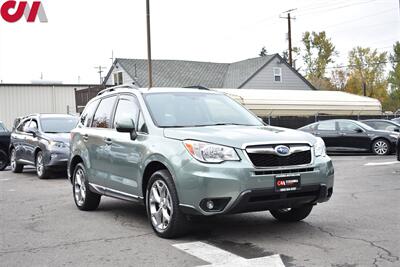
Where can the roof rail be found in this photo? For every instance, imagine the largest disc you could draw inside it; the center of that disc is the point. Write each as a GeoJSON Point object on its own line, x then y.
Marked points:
{"type": "Point", "coordinates": [197, 87]}
{"type": "Point", "coordinates": [111, 89]}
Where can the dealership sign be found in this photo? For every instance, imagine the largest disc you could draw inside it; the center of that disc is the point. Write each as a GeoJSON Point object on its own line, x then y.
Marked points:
{"type": "Point", "coordinates": [13, 11]}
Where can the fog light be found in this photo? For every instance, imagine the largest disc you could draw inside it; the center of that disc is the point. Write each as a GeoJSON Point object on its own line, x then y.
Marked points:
{"type": "Point", "coordinates": [210, 204]}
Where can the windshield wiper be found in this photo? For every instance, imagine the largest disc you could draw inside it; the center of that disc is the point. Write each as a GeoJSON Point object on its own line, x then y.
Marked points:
{"type": "Point", "coordinates": [229, 123]}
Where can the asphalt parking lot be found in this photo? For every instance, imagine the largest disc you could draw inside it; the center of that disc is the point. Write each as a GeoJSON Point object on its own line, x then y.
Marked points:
{"type": "Point", "coordinates": [40, 226]}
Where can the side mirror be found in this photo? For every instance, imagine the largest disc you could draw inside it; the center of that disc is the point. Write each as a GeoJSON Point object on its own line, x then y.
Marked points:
{"type": "Point", "coordinates": [126, 125]}
{"type": "Point", "coordinates": [32, 131]}
{"type": "Point", "coordinates": [359, 130]}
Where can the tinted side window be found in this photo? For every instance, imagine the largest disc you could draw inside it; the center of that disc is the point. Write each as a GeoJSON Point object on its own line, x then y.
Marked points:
{"type": "Point", "coordinates": [327, 126]}
{"type": "Point", "coordinates": [32, 124]}
{"type": "Point", "coordinates": [103, 115]}
{"type": "Point", "coordinates": [127, 108]}
{"type": "Point", "coordinates": [87, 115]}
{"type": "Point", "coordinates": [23, 126]}
{"type": "Point", "coordinates": [348, 126]}
{"type": "Point", "coordinates": [384, 126]}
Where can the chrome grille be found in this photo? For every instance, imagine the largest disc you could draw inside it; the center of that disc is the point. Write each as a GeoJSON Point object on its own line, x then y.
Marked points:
{"type": "Point", "coordinates": [266, 156]}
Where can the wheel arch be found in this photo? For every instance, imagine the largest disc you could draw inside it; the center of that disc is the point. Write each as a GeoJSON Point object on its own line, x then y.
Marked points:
{"type": "Point", "coordinates": [381, 138]}
{"type": "Point", "coordinates": [152, 167]}
{"type": "Point", "coordinates": [74, 161]}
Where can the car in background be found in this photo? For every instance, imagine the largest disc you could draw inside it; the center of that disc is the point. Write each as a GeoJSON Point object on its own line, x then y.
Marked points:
{"type": "Point", "coordinates": [4, 144]}
{"type": "Point", "coordinates": [353, 136]}
{"type": "Point", "coordinates": [42, 140]}
{"type": "Point", "coordinates": [396, 120]}
{"type": "Point", "coordinates": [383, 125]}
{"type": "Point", "coordinates": [398, 149]}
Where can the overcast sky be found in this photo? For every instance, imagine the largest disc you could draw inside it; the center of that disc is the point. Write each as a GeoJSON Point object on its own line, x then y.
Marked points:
{"type": "Point", "coordinates": [81, 34]}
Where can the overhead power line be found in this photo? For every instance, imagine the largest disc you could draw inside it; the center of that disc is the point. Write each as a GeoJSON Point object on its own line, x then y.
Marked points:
{"type": "Point", "coordinates": [364, 65]}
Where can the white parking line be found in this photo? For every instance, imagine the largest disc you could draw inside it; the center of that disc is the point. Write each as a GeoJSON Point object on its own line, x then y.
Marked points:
{"type": "Point", "coordinates": [381, 163]}
{"type": "Point", "coordinates": [221, 258]}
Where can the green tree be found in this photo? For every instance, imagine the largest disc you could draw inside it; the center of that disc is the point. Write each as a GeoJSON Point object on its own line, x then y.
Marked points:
{"type": "Point", "coordinates": [319, 51]}
{"type": "Point", "coordinates": [339, 78]}
{"type": "Point", "coordinates": [393, 101]}
{"type": "Point", "coordinates": [263, 52]}
{"type": "Point", "coordinates": [367, 68]}
{"type": "Point", "coordinates": [394, 74]}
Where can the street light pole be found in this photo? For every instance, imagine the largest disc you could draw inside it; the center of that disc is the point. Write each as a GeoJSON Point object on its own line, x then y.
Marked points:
{"type": "Point", "coordinates": [150, 69]}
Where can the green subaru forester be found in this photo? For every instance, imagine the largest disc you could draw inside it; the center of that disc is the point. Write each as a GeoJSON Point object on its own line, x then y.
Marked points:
{"type": "Point", "coordinates": [190, 152]}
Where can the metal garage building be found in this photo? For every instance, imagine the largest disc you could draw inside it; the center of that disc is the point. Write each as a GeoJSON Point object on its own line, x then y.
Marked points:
{"type": "Point", "coordinates": [23, 99]}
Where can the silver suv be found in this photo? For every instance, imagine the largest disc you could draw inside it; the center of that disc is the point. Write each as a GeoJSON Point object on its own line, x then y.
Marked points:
{"type": "Point", "coordinates": [188, 152]}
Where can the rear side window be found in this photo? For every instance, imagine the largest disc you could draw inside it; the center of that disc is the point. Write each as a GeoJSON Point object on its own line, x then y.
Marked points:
{"type": "Point", "coordinates": [87, 115]}
{"type": "Point", "coordinates": [103, 115]}
{"type": "Point", "coordinates": [327, 126]}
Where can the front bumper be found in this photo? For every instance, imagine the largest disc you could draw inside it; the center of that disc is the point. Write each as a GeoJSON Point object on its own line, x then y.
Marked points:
{"type": "Point", "coordinates": [57, 159]}
{"type": "Point", "coordinates": [248, 189]}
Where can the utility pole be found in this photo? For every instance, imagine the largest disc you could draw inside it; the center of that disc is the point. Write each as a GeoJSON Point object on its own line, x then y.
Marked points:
{"type": "Point", "coordinates": [150, 68]}
{"type": "Point", "coordinates": [289, 34]}
{"type": "Point", "coordinates": [100, 71]}
{"type": "Point", "coordinates": [112, 57]}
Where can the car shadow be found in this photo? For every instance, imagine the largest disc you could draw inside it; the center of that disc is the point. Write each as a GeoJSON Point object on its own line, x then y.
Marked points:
{"type": "Point", "coordinates": [31, 172]}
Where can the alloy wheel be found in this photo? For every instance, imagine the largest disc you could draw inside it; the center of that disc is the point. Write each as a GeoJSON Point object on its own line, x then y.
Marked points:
{"type": "Point", "coordinates": [161, 208]}
{"type": "Point", "coordinates": [381, 148]}
{"type": "Point", "coordinates": [13, 160]}
{"type": "Point", "coordinates": [39, 164]}
{"type": "Point", "coordinates": [79, 187]}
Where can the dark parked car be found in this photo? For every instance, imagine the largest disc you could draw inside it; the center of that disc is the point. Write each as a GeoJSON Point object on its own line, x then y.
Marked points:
{"type": "Point", "coordinates": [353, 136]}
{"type": "Point", "coordinates": [396, 120]}
{"type": "Point", "coordinates": [42, 140]}
{"type": "Point", "coordinates": [398, 149]}
{"type": "Point", "coordinates": [4, 144]}
{"type": "Point", "coordinates": [383, 125]}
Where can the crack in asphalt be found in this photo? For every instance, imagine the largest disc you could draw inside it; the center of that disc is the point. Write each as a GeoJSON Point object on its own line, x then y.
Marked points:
{"type": "Point", "coordinates": [72, 244]}
{"type": "Point", "coordinates": [387, 255]}
{"type": "Point", "coordinates": [305, 244]}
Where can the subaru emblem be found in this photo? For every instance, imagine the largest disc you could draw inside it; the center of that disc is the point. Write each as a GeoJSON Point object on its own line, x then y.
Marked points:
{"type": "Point", "coordinates": [282, 150]}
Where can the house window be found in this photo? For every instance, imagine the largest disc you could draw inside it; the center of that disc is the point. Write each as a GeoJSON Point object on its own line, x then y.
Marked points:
{"type": "Point", "coordinates": [278, 75]}
{"type": "Point", "coordinates": [118, 80]}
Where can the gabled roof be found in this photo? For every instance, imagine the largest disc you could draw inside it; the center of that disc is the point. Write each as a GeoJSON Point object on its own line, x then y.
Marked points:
{"type": "Point", "coordinates": [180, 73]}
{"type": "Point", "coordinates": [176, 73]}
{"type": "Point", "coordinates": [239, 72]}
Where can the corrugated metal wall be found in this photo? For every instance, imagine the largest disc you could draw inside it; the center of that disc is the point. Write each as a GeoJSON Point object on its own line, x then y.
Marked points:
{"type": "Point", "coordinates": [20, 100]}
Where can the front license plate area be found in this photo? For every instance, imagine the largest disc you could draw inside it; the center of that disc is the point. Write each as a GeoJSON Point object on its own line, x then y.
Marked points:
{"type": "Point", "coordinates": [287, 183]}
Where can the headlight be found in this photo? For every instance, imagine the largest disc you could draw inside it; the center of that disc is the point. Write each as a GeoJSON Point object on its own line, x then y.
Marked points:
{"type": "Point", "coordinates": [56, 144]}
{"type": "Point", "coordinates": [210, 153]}
{"type": "Point", "coordinates": [319, 147]}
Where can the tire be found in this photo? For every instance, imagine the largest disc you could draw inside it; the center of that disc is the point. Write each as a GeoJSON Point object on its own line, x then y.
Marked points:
{"type": "Point", "coordinates": [161, 186]}
{"type": "Point", "coordinates": [84, 198]}
{"type": "Point", "coordinates": [381, 147]}
{"type": "Point", "coordinates": [41, 170]}
{"type": "Point", "coordinates": [292, 215]}
{"type": "Point", "coordinates": [15, 166]}
{"type": "Point", "coordinates": [3, 160]}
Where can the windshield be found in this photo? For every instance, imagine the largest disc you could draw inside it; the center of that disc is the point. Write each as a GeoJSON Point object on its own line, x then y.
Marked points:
{"type": "Point", "coordinates": [197, 109]}
{"type": "Point", "coordinates": [58, 125]}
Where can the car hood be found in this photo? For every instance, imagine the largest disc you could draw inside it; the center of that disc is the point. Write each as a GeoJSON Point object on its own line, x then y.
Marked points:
{"type": "Point", "coordinates": [240, 136]}
{"type": "Point", "coordinates": [58, 137]}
